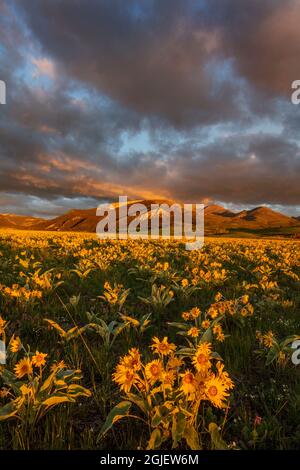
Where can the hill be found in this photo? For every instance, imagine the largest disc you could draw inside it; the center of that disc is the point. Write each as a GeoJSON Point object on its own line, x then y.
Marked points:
{"type": "Point", "coordinates": [17, 221]}
{"type": "Point", "coordinates": [218, 220]}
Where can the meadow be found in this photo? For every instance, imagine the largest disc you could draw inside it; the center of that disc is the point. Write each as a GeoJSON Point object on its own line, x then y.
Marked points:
{"type": "Point", "coordinates": [140, 344]}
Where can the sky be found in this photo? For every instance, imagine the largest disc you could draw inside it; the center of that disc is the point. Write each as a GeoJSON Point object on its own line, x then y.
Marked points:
{"type": "Point", "coordinates": [179, 99]}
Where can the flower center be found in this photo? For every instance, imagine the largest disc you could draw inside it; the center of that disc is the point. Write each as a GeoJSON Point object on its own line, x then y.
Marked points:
{"type": "Point", "coordinates": [201, 359]}
{"type": "Point", "coordinates": [154, 369]}
{"type": "Point", "coordinates": [213, 391]}
{"type": "Point", "coordinates": [188, 378]}
{"type": "Point", "coordinates": [129, 375]}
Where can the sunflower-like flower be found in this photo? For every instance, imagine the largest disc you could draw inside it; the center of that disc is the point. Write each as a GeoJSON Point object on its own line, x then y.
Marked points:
{"type": "Point", "coordinates": [185, 316]}
{"type": "Point", "coordinates": [125, 377]}
{"type": "Point", "coordinates": [164, 348]}
{"type": "Point", "coordinates": [23, 367]}
{"type": "Point", "coordinates": [218, 297]}
{"type": "Point", "coordinates": [168, 379]}
{"type": "Point", "coordinates": [174, 362]}
{"type": "Point", "coordinates": [15, 344]}
{"type": "Point", "coordinates": [245, 299]}
{"type": "Point", "coordinates": [188, 384]}
{"type": "Point", "coordinates": [268, 339]}
{"type": "Point", "coordinates": [205, 324]}
{"type": "Point", "coordinates": [2, 325]}
{"type": "Point", "coordinates": [213, 312]}
{"type": "Point", "coordinates": [217, 330]}
{"type": "Point", "coordinates": [224, 376]}
{"type": "Point", "coordinates": [195, 312]}
{"type": "Point", "coordinates": [216, 392]}
{"type": "Point", "coordinates": [193, 332]}
{"type": "Point", "coordinates": [39, 359]}
{"type": "Point", "coordinates": [154, 371]}
{"type": "Point", "coordinates": [184, 282]}
{"type": "Point", "coordinates": [201, 360]}
{"type": "Point", "coordinates": [132, 360]}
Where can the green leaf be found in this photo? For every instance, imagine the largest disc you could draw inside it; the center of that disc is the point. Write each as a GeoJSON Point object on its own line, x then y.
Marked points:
{"type": "Point", "coordinates": [155, 440]}
{"type": "Point", "coordinates": [118, 412]}
{"type": "Point", "coordinates": [288, 340]}
{"type": "Point", "coordinates": [57, 400]}
{"type": "Point", "coordinates": [216, 439]}
{"type": "Point", "coordinates": [11, 409]}
{"type": "Point", "coordinates": [181, 326]}
{"type": "Point", "coordinates": [178, 426]}
{"type": "Point", "coordinates": [206, 337]}
{"type": "Point", "coordinates": [78, 391]}
{"type": "Point", "coordinates": [141, 404]}
{"type": "Point", "coordinates": [186, 351]}
{"type": "Point", "coordinates": [271, 356]}
{"type": "Point", "coordinates": [157, 418]}
{"type": "Point", "coordinates": [192, 438]}
{"type": "Point", "coordinates": [10, 379]}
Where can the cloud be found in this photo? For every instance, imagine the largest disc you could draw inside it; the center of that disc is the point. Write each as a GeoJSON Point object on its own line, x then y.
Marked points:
{"type": "Point", "coordinates": [180, 99]}
{"type": "Point", "coordinates": [155, 57]}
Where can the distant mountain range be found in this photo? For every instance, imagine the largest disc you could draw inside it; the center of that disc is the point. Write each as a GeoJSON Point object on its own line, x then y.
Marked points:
{"type": "Point", "coordinates": [218, 221]}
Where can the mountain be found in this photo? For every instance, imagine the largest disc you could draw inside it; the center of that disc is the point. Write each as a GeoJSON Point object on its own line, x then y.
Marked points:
{"type": "Point", "coordinates": [218, 220]}
{"type": "Point", "coordinates": [17, 221]}
{"type": "Point", "coordinates": [86, 220]}
{"type": "Point", "coordinates": [254, 219]}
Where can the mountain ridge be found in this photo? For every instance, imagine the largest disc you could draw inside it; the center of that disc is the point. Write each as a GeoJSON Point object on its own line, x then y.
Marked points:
{"type": "Point", "coordinates": [218, 219]}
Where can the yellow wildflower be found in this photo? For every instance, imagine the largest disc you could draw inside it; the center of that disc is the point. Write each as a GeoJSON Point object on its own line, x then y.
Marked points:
{"type": "Point", "coordinates": [194, 332]}
{"type": "Point", "coordinates": [162, 347]}
{"type": "Point", "coordinates": [38, 359]}
{"type": "Point", "coordinates": [15, 344]}
{"type": "Point", "coordinates": [202, 357]}
{"type": "Point", "coordinates": [216, 392]}
{"type": "Point", "coordinates": [23, 367]}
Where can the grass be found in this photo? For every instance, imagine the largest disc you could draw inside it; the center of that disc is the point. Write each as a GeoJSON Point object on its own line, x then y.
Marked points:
{"type": "Point", "coordinates": [70, 271]}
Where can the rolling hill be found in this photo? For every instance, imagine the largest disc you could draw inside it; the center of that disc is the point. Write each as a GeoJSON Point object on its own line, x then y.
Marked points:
{"type": "Point", "coordinates": [218, 220]}
{"type": "Point", "coordinates": [17, 221]}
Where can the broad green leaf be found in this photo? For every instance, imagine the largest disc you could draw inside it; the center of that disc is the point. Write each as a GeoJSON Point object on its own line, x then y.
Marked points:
{"type": "Point", "coordinates": [118, 412]}
{"type": "Point", "coordinates": [192, 438]}
{"type": "Point", "coordinates": [178, 425]}
{"type": "Point", "coordinates": [11, 409]}
{"type": "Point", "coordinates": [155, 440]}
{"type": "Point", "coordinates": [217, 441]}
{"type": "Point", "coordinates": [141, 404]}
{"type": "Point", "coordinates": [56, 400]}
{"type": "Point", "coordinates": [77, 391]}
{"type": "Point", "coordinates": [207, 336]}
{"type": "Point", "coordinates": [157, 418]}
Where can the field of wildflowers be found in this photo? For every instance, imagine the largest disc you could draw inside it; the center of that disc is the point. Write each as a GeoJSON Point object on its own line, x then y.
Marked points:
{"type": "Point", "coordinates": [144, 345]}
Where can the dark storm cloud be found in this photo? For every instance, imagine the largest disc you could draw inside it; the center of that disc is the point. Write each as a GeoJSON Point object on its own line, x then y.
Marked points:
{"type": "Point", "coordinates": [262, 37]}
{"type": "Point", "coordinates": [154, 57]}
